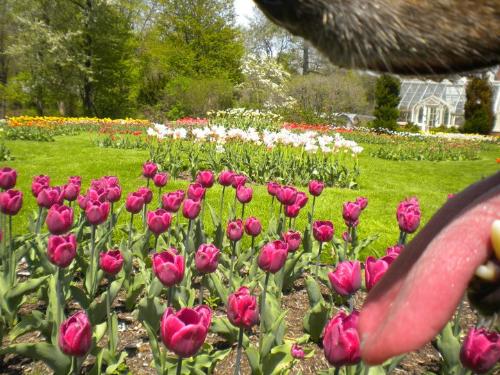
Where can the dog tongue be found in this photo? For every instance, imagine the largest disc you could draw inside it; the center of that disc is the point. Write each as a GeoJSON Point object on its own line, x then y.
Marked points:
{"type": "Point", "coordinates": [420, 291]}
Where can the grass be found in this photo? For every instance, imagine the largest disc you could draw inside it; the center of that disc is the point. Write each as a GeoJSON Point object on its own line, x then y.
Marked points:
{"type": "Point", "coordinates": [384, 183]}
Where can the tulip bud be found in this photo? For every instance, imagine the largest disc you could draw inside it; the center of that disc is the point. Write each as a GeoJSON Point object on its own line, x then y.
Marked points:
{"type": "Point", "coordinates": [350, 213]}
{"type": "Point", "coordinates": [244, 194]}
{"type": "Point", "coordinates": [234, 230]}
{"type": "Point", "coordinates": [272, 188]}
{"type": "Point", "coordinates": [159, 221]}
{"type": "Point", "coordinates": [341, 340]}
{"type": "Point", "coordinates": [172, 201]}
{"type": "Point", "coordinates": [146, 193]}
{"type": "Point", "coordinates": [323, 231]}
{"type": "Point", "coordinates": [71, 192]}
{"type": "Point", "coordinates": [316, 188]}
{"type": "Point", "coordinates": [149, 169]}
{"type": "Point", "coordinates": [113, 193]}
{"type": "Point", "coordinates": [49, 196]}
{"type": "Point", "coordinates": [286, 195]}
{"type": "Point", "coordinates": [59, 219]}
{"type": "Point", "coordinates": [39, 183]}
{"type": "Point", "coordinates": [134, 203]}
{"type": "Point", "coordinates": [301, 199]}
{"type": "Point", "coordinates": [168, 267]}
{"type": "Point", "coordinates": [75, 335]}
{"type": "Point", "coordinates": [346, 279]}
{"type": "Point", "coordinates": [185, 331]}
{"type": "Point", "coordinates": [297, 352]}
{"type": "Point", "coordinates": [205, 179]}
{"type": "Point", "coordinates": [196, 192]}
{"type": "Point", "coordinates": [253, 226]}
{"type": "Point", "coordinates": [242, 309]}
{"type": "Point", "coordinates": [408, 215]}
{"type": "Point", "coordinates": [61, 250]}
{"type": "Point", "coordinates": [11, 202]}
{"type": "Point", "coordinates": [375, 269]}
{"type": "Point", "coordinates": [160, 179]}
{"type": "Point", "coordinates": [481, 350]}
{"type": "Point", "coordinates": [111, 261]}
{"type": "Point", "coordinates": [292, 210]}
{"type": "Point", "coordinates": [362, 201]}
{"type": "Point", "coordinates": [346, 236]}
{"type": "Point", "coordinates": [96, 212]}
{"type": "Point", "coordinates": [293, 240]}
{"type": "Point", "coordinates": [226, 178]}
{"type": "Point", "coordinates": [191, 209]}
{"type": "Point", "coordinates": [238, 180]}
{"type": "Point", "coordinates": [207, 258]}
{"type": "Point", "coordinates": [8, 178]}
{"type": "Point", "coordinates": [273, 256]}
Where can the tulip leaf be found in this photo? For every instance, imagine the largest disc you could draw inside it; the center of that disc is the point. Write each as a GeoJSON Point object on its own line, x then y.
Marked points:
{"type": "Point", "coordinates": [278, 360]}
{"type": "Point", "coordinates": [36, 321]}
{"type": "Point", "coordinates": [199, 234]}
{"type": "Point", "coordinates": [150, 310]}
{"type": "Point", "coordinates": [315, 320]}
{"type": "Point", "coordinates": [224, 328]}
{"type": "Point", "coordinates": [214, 283]}
{"type": "Point", "coordinates": [254, 360]}
{"type": "Point", "coordinates": [307, 241]}
{"type": "Point", "coordinates": [97, 309]}
{"type": "Point", "coordinates": [155, 288]}
{"type": "Point", "coordinates": [14, 296]}
{"type": "Point", "coordinates": [313, 292]}
{"type": "Point", "coordinates": [155, 347]}
{"type": "Point", "coordinates": [449, 347]}
{"type": "Point", "coordinates": [274, 337]}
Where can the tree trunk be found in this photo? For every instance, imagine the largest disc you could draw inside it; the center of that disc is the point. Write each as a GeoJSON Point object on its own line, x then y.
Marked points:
{"type": "Point", "coordinates": [3, 57]}
{"type": "Point", "coordinates": [88, 88]}
{"type": "Point", "coordinates": [305, 58]}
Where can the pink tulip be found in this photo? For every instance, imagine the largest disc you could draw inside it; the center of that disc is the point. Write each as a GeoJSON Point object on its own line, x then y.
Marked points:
{"type": "Point", "coordinates": [113, 193]}
{"type": "Point", "coordinates": [146, 193]}
{"type": "Point", "coordinates": [297, 352]}
{"type": "Point", "coordinates": [292, 211]}
{"type": "Point", "coordinates": [242, 309]}
{"type": "Point", "coordinates": [207, 258]}
{"type": "Point", "coordinates": [159, 221]}
{"type": "Point", "coordinates": [341, 340]}
{"type": "Point", "coordinates": [134, 203]}
{"type": "Point", "coordinates": [408, 215]}
{"type": "Point", "coordinates": [191, 209]}
{"type": "Point", "coordinates": [49, 196]}
{"type": "Point", "coordinates": [82, 201]}
{"type": "Point", "coordinates": [481, 350]}
{"type": "Point", "coordinates": [293, 240]}
{"type": "Point", "coordinates": [346, 236]}
{"type": "Point", "coordinates": [234, 230]}
{"type": "Point", "coordinates": [39, 183]}
{"type": "Point", "coordinates": [253, 227]}
{"type": "Point", "coordinates": [301, 199]}
{"type": "Point", "coordinates": [323, 231]}
{"type": "Point", "coordinates": [350, 213]}
{"type": "Point", "coordinates": [172, 201]}
{"type": "Point", "coordinates": [76, 180]}
{"type": "Point", "coordinates": [185, 331]}
{"type": "Point", "coordinates": [273, 256]}
{"type": "Point", "coordinates": [96, 212]}
{"type": "Point", "coordinates": [205, 179]}
{"type": "Point", "coordinates": [244, 194]}
{"type": "Point", "coordinates": [394, 251]}
{"type": "Point", "coordinates": [272, 188]}
{"type": "Point", "coordinates": [111, 261]}
{"type": "Point", "coordinates": [238, 180]}
{"type": "Point", "coordinates": [71, 192]}
{"type": "Point", "coordinates": [226, 178]}
{"type": "Point", "coordinates": [11, 202]}
{"type": "Point", "coordinates": [59, 219]}
{"type": "Point", "coordinates": [8, 178]}
{"type": "Point", "coordinates": [196, 192]}
{"type": "Point", "coordinates": [149, 169]}
{"type": "Point", "coordinates": [160, 179]}
{"type": "Point", "coordinates": [362, 201]}
{"type": "Point", "coordinates": [316, 188]}
{"type": "Point", "coordinates": [75, 335]}
{"type": "Point", "coordinates": [346, 279]}
{"type": "Point", "coordinates": [110, 181]}
{"type": "Point", "coordinates": [61, 250]}
{"type": "Point", "coordinates": [168, 266]}
{"type": "Point", "coordinates": [286, 195]}
{"type": "Point", "coordinates": [375, 269]}
{"type": "Point", "coordinates": [97, 194]}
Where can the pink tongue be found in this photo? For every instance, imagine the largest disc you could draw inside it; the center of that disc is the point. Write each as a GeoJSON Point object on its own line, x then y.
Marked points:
{"type": "Point", "coordinates": [420, 292]}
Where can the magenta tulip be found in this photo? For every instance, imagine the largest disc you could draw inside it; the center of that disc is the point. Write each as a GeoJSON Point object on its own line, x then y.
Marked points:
{"type": "Point", "coordinates": [59, 219]}
{"type": "Point", "coordinates": [97, 194]}
{"type": "Point", "coordinates": [97, 212]}
{"type": "Point", "coordinates": [49, 196]}
{"type": "Point", "coordinates": [394, 251]}
{"type": "Point", "coordinates": [39, 183]}
{"type": "Point", "coordinates": [159, 221]}
{"type": "Point", "coordinates": [185, 331]}
{"type": "Point", "coordinates": [191, 209]}
{"type": "Point", "coordinates": [346, 236]}
{"type": "Point", "coordinates": [480, 351]}
{"type": "Point", "coordinates": [134, 203]}
{"type": "Point", "coordinates": [341, 340]}
{"type": "Point", "coordinates": [297, 352]}
{"type": "Point", "coordinates": [146, 193]}
{"type": "Point", "coordinates": [207, 258]}
{"type": "Point", "coordinates": [242, 309]}
{"type": "Point", "coordinates": [168, 266]}
{"type": "Point", "coordinates": [75, 335]}
{"type": "Point", "coordinates": [11, 202]}
{"type": "Point", "coordinates": [160, 179]}
{"type": "Point", "coordinates": [149, 169]}
{"type": "Point", "coordinates": [293, 240]}
{"type": "Point", "coordinates": [350, 213]}
{"type": "Point", "coordinates": [110, 181]}
{"type": "Point", "coordinates": [286, 195]}
{"type": "Point", "coordinates": [172, 201]}
{"type": "Point", "coordinates": [301, 199]}
{"type": "Point", "coordinates": [76, 180]}
{"type": "Point", "coordinates": [111, 261]}
{"type": "Point", "coordinates": [8, 178]}
{"type": "Point", "coordinates": [238, 180]}
{"type": "Point", "coordinates": [362, 201]}
{"type": "Point", "coordinates": [196, 192]}
{"type": "Point", "coordinates": [375, 269]}
{"type": "Point", "coordinates": [346, 279]}
{"type": "Point", "coordinates": [234, 230]}
{"type": "Point", "coordinates": [61, 250]}
{"type": "Point", "coordinates": [253, 227]}
{"type": "Point", "coordinates": [292, 211]}
{"type": "Point", "coordinates": [316, 188]}
{"type": "Point", "coordinates": [272, 188]}
{"type": "Point", "coordinates": [273, 256]}
{"type": "Point", "coordinates": [113, 193]}
{"type": "Point", "coordinates": [226, 178]}
{"type": "Point", "coordinates": [71, 191]}
{"type": "Point", "coordinates": [82, 201]}
{"type": "Point", "coordinates": [323, 231]}
{"type": "Point", "coordinates": [244, 194]}
{"type": "Point", "coordinates": [205, 179]}
{"type": "Point", "coordinates": [408, 215]}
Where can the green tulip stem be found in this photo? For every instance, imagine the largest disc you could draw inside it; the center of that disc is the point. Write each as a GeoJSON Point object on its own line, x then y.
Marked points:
{"type": "Point", "coordinates": [111, 223]}
{"type": "Point", "coordinates": [242, 210]}
{"type": "Point", "coordinates": [290, 223]}
{"type": "Point", "coordinates": [130, 226]}
{"type": "Point", "coordinates": [402, 238]}
{"type": "Point", "coordinates": [156, 242]}
{"type": "Point", "coordinates": [60, 296]}
{"type": "Point", "coordinates": [200, 296]}
{"type": "Point", "coordinates": [187, 237]}
{"type": "Point", "coordinates": [93, 270]}
{"type": "Point", "coordinates": [238, 352]}
{"type": "Point", "coordinates": [312, 214]}
{"type": "Point", "coordinates": [12, 258]}
{"type": "Point", "coordinates": [179, 366]}
{"type": "Point", "coordinates": [354, 238]}
{"type": "Point", "coordinates": [271, 208]}
{"type": "Point", "coordinates": [233, 255]}
{"type": "Point", "coordinates": [39, 220]}
{"type": "Point", "coordinates": [159, 197]}
{"type": "Point", "coordinates": [74, 366]}
{"type": "Point", "coordinates": [170, 297]}
{"type": "Point", "coordinates": [252, 251]}
{"type": "Point", "coordinates": [203, 204]}
{"type": "Point", "coordinates": [111, 338]}
{"type": "Point", "coordinates": [222, 203]}
{"type": "Point", "coordinates": [262, 311]}
{"type": "Point", "coordinates": [337, 371]}
{"type": "Point", "coordinates": [234, 204]}
{"type": "Point", "coordinates": [317, 261]}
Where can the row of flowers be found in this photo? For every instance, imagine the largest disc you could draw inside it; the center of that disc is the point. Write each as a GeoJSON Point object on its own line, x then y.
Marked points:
{"type": "Point", "coordinates": [52, 122]}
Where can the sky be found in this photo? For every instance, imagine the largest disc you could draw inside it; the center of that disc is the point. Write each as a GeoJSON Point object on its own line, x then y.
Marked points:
{"type": "Point", "coordinates": [244, 9]}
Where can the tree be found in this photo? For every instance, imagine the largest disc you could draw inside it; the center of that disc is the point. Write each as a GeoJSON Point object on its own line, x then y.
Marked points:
{"type": "Point", "coordinates": [386, 102]}
{"type": "Point", "coordinates": [478, 106]}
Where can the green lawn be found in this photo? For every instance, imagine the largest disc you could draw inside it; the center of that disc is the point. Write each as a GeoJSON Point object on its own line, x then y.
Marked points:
{"type": "Point", "coordinates": [384, 183]}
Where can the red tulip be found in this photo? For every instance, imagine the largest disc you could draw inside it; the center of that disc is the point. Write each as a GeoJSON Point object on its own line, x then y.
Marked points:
{"type": "Point", "coordinates": [168, 266]}
{"type": "Point", "coordinates": [273, 256]}
{"type": "Point", "coordinates": [481, 350]}
{"type": "Point", "coordinates": [297, 352]}
{"type": "Point", "coordinates": [272, 188]}
{"type": "Point", "coordinates": [226, 178]}
{"type": "Point", "coordinates": [341, 340]}
{"type": "Point", "coordinates": [316, 188]}
{"type": "Point", "coordinates": [71, 191]}
{"type": "Point", "coordinates": [11, 202]}
{"type": "Point", "coordinates": [146, 193]}
{"type": "Point", "coordinates": [301, 199]}
{"type": "Point", "coordinates": [172, 201]}
{"type": "Point", "coordinates": [159, 221]}
{"type": "Point", "coordinates": [59, 219]}
{"type": "Point", "coordinates": [111, 261]}
{"type": "Point", "coordinates": [207, 258]}
{"type": "Point", "coordinates": [293, 240]}
{"type": "Point", "coordinates": [149, 169]}
{"type": "Point", "coordinates": [394, 251]}
{"type": "Point", "coordinates": [350, 213]}
{"type": "Point", "coordinates": [362, 201]}
{"type": "Point", "coordinates": [286, 195]}
{"type": "Point", "coordinates": [185, 331]}
{"type": "Point", "coordinates": [49, 196]}
{"type": "Point", "coordinates": [8, 178]}
{"type": "Point", "coordinates": [244, 194]}
{"type": "Point", "coordinates": [408, 215]}
{"type": "Point", "coordinates": [196, 192]}
{"type": "Point", "coordinates": [205, 179]}
{"type": "Point", "coordinates": [375, 269]}
{"type": "Point", "coordinates": [323, 231]}
{"type": "Point", "coordinates": [76, 180]}
{"type": "Point", "coordinates": [242, 309]}
{"type": "Point", "coordinates": [191, 209]}
{"type": "Point", "coordinates": [346, 279]}
{"type": "Point", "coordinates": [292, 210]}
{"type": "Point", "coordinates": [234, 230]}
{"type": "Point", "coordinates": [238, 180]}
{"type": "Point", "coordinates": [39, 183]}
{"type": "Point", "coordinates": [96, 212]}
{"type": "Point", "coordinates": [75, 335]}
{"type": "Point", "coordinates": [61, 250]}
{"type": "Point", "coordinates": [160, 179]}
{"type": "Point", "coordinates": [134, 203]}
{"type": "Point", "coordinates": [253, 226]}
{"type": "Point", "coordinates": [113, 193]}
